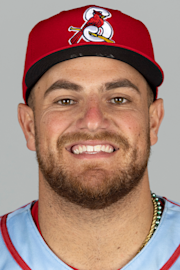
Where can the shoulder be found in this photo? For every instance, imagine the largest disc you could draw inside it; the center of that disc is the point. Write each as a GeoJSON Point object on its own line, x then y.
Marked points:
{"type": "Point", "coordinates": [163, 248]}
{"type": "Point", "coordinates": [9, 223]}
{"type": "Point", "coordinates": [23, 246]}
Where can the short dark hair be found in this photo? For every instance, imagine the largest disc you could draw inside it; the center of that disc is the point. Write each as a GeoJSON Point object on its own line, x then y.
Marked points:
{"type": "Point", "coordinates": [31, 99]}
{"type": "Point", "coordinates": [150, 95]}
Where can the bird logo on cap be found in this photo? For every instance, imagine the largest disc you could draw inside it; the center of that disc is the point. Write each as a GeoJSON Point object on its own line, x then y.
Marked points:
{"type": "Point", "coordinates": [95, 28]}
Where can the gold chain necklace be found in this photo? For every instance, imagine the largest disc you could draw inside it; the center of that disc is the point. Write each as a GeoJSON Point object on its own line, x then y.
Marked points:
{"type": "Point", "coordinates": [156, 219]}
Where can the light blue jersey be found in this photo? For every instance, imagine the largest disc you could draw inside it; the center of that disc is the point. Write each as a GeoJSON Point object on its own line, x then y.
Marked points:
{"type": "Point", "coordinates": [22, 246]}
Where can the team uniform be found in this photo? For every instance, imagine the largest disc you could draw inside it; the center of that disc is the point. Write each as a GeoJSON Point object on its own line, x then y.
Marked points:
{"type": "Point", "coordinates": [23, 247]}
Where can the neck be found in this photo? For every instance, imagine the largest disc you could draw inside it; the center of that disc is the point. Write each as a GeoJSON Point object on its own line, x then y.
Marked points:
{"type": "Point", "coordinates": [102, 239]}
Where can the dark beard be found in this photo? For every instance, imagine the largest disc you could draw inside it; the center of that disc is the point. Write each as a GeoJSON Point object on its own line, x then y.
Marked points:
{"type": "Point", "coordinates": [76, 189]}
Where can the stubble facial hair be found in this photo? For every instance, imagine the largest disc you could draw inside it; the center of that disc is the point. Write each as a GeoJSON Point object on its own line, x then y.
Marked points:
{"type": "Point", "coordinates": [75, 188]}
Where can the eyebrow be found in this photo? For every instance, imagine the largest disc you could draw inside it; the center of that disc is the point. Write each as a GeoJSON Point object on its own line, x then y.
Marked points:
{"type": "Point", "coordinates": [121, 84]}
{"type": "Point", "coordinates": [62, 84]}
{"type": "Point", "coordinates": [67, 85]}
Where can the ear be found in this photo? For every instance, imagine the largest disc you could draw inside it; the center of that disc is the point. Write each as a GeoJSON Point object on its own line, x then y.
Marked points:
{"type": "Point", "coordinates": [26, 121]}
{"type": "Point", "coordinates": [156, 114]}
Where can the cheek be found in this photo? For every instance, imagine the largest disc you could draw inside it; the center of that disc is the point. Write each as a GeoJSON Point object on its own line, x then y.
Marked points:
{"type": "Point", "coordinates": [135, 127]}
{"type": "Point", "coordinates": [53, 124]}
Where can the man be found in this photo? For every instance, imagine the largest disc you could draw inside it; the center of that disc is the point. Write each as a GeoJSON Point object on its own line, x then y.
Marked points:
{"type": "Point", "coordinates": [91, 113]}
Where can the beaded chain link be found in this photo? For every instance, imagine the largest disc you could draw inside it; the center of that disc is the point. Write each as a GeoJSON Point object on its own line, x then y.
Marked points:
{"type": "Point", "coordinates": [156, 219]}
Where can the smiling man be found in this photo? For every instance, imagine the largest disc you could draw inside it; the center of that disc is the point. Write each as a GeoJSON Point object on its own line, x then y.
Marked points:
{"type": "Point", "coordinates": [91, 113]}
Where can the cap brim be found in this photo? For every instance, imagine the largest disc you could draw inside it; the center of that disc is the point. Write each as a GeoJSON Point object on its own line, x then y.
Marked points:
{"type": "Point", "coordinates": [151, 71]}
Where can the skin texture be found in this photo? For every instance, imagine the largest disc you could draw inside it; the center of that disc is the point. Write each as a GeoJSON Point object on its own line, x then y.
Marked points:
{"type": "Point", "coordinates": [99, 233]}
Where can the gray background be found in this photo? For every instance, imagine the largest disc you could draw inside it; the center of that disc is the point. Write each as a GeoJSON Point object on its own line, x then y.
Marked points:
{"type": "Point", "coordinates": [18, 166]}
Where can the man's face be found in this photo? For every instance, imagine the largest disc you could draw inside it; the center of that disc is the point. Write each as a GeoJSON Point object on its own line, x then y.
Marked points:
{"type": "Point", "coordinates": [86, 100]}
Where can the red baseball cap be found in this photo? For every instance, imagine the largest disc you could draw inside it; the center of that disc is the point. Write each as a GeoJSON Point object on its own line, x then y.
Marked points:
{"type": "Point", "coordinates": [90, 31]}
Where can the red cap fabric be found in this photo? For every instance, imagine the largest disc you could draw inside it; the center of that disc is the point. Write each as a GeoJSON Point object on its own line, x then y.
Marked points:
{"type": "Point", "coordinates": [90, 31]}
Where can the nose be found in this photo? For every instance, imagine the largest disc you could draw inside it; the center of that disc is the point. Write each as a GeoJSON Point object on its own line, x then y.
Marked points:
{"type": "Point", "coordinates": [93, 116]}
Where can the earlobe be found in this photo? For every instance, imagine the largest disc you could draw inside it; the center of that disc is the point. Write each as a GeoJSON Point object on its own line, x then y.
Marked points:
{"type": "Point", "coordinates": [156, 114]}
{"type": "Point", "coordinates": [26, 121]}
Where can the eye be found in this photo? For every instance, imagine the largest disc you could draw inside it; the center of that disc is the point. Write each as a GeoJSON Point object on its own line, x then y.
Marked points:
{"type": "Point", "coordinates": [68, 101]}
{"type": "Point", "coordinates": [119, 100]}
{"type": "Point", "coordinates": [65, 101]}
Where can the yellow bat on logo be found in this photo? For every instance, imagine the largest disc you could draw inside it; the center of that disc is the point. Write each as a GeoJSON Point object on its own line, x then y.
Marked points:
{"type": "Point", "coordinates": [93, 34]}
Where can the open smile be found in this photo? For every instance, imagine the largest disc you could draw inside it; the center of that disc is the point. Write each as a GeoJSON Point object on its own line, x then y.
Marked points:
{"type": "Point", "coordinates": [94, 156]}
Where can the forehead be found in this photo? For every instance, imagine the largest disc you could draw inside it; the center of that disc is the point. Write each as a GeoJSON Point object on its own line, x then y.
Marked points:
{"type": "Point", "coordinates": [91, 72]}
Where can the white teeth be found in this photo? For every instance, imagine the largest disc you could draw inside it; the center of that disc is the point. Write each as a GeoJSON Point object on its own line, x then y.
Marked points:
{"type": "Point", "coordinates": [76, 151]}
{"type": "Point", "coordinates": [97, 148]}
{"type": "Point", "coordinates": [93, 149]}
{"type": "Point", "coordinates": [103, 148]}
{"type": "Point", "coordinates": [89, 148]}
{"type": "Point", "coordinates": [80, 149]}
